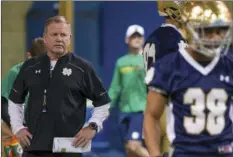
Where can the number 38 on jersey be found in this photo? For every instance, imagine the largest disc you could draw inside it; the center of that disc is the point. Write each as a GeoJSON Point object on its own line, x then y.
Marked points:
{"type": "Point", "coordinates": [207, 110]}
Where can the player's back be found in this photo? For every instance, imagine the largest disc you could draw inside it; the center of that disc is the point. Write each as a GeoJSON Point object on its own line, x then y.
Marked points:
{"type": "Point", "coordinates": [163, 41]}
{"type": "Point", "coordinates": [200, 109]}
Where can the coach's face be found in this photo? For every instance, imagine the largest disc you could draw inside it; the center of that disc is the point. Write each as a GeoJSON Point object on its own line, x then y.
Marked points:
{"type": "Point", "coordinates": [57, 38]}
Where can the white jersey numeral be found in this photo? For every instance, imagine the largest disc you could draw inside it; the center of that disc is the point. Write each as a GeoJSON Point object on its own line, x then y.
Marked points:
{"type": "Point", "coordinates": [215, 102]}
{"type": "Point", "coordinates": [149, 54]}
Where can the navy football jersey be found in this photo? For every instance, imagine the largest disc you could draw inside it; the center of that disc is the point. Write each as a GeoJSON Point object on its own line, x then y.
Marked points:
{"type": "Point", "coordinates": [199, 113]}
{"type": "Point", "coordinates": [161, 42]}
{"type": "Point", "coordinates": [230, 52]}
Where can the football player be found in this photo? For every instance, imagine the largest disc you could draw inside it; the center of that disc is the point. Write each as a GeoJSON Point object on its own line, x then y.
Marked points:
{"type": "Point", "coordinates": [163, 41]}
{"type": "Point", "coordinates": [165, 38]}
{"type": "Point", "coordinates": [197, 84]}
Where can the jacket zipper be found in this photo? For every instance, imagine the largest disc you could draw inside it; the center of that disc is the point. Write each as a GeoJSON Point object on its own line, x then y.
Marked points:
{"type": "Point", "coordinates": [44, 109]}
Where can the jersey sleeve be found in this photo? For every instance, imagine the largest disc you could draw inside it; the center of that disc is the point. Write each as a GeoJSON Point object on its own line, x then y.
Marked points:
{"type": "Point", "coordinates": [94, 88]}
{"type": "Point", "coordinates": [158, 78]}
{"type": "Point", "coordinates": [19, 90]}
{"type": "Point", "coordinates": [7, 82]}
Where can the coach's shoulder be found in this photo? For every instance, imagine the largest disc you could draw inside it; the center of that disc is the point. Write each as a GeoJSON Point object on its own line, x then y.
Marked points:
{"type": "Point", "coordinates": [29, 62]}
{"type": "Point", "coordinates": [34, 61]}
{"type": "Point", "coordinates": [82, 63]}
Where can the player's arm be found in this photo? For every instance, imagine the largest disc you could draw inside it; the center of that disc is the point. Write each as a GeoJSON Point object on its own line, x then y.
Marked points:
{"type": "Point", "coordinates": [158, 78]}
{"type": "Point", "coordinates": [152, 130]}
{"type": "Point", "coordinates": [115, 86]}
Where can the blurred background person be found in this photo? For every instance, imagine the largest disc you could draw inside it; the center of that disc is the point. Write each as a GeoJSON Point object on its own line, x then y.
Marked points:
{"type": "Point", "coordinates": [165, 39]}
{"type": "Point", "coordinates": [11, 145]}
{"type": "Point", "coordinates": [128, 85]}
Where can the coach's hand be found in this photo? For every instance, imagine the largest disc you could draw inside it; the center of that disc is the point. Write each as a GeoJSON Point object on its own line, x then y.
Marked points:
{"type": "Point", "coordinates": [83, 137]}
{"type": "Point", "coordinates": [24, 137]}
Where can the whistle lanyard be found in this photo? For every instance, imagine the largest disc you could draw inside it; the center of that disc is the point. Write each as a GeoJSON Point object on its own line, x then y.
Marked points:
{"type": "Point", "coordinates": [45, 108]}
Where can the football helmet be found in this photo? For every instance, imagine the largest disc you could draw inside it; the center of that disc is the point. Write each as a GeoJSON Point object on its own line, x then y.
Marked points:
{"type": "Point", "coordinates": [171, 9]}
{"type": "Point", "coordinates": [202, 21]}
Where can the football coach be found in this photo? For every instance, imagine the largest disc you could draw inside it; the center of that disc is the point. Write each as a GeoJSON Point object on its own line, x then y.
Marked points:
{"type": "Point", "coordinates": [58, 83]}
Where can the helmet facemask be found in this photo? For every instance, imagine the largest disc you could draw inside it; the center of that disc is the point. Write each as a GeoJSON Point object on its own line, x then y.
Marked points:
{"type": "Point", "coordinates": [171, 9]}
{"type": "Point", "coordinates": [208, 27]}
{"type": "Point", "coordinates": [210, 41]}
{"type": "Point", "coordinates": [174, 14]}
